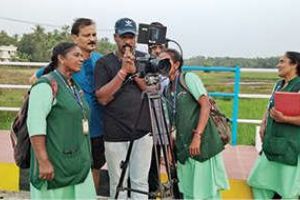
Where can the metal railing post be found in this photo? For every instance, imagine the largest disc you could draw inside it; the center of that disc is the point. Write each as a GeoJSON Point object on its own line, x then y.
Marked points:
{"type": "Point", "coordinates": [235, 110]}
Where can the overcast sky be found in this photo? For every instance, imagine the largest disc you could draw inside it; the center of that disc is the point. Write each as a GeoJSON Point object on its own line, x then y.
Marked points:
{"type": "Point", "coordinates": [235, 28]}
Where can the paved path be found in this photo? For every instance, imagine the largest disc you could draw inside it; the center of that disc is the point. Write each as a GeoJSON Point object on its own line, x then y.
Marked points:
{"type": "Point", "coordinates": [6, 151]}
{"type": "Point", "coordinates": [238, 161]}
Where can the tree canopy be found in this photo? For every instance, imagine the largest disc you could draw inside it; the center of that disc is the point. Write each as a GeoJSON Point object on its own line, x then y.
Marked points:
{"type": "Point", "coordinates": [6, 40]}
{"type": "Point", "coordinates": [36, 46]}
{"type": "Point", "coordinates": [227, 61]}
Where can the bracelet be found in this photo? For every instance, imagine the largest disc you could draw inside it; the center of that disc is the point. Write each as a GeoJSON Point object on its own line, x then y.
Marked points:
{"type": "Point", "coordinates": [122, 72]}
{"type": "Point", "coordinates": [120, 76]}
{"type": "Point", "coordinates": [197, 133]}
{"type": "Point", "coordinates": [198, 136]}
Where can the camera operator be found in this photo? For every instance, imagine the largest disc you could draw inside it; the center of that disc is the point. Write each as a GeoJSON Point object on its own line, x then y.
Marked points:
{"type": "Point", "coordinates": [126, 113]}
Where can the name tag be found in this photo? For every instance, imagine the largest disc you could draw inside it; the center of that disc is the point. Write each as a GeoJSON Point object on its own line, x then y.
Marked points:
{"type": "Point", "coordinates": [85, 126]}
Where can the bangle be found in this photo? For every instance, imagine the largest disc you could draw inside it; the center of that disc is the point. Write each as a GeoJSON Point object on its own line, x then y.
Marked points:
{"type": "Point", "coordinates": [198, 136]}
{"type": "Point", "coordinates": [120, 76]}
{"type": "Point", "coordinates": [122, 72]}
{"type": "Point", "coordinates": [197, 133]}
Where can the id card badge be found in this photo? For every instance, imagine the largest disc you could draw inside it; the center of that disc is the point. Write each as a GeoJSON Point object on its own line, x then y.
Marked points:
{"type": "Point", "coordinates": [85, 126]}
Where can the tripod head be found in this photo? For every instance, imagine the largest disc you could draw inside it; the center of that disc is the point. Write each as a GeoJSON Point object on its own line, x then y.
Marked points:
{"type": "Point", "coordinates": [152, 79]}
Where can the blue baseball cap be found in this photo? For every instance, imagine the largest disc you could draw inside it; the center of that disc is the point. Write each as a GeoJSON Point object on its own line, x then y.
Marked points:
{"type": "Point", "coordinates": [125, 25]}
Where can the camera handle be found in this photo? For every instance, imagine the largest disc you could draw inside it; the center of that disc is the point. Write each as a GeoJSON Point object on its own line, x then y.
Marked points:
{"type": "Point", "coordinates": [130, 78]}
{"type": "Point", "coordinates": [180, 49]}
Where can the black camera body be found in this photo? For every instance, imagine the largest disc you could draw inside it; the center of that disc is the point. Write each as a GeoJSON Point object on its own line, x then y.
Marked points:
{"type": "Point", "coordinates": [147, 66]}
{"type": "Point", "coordinates": [152, 34]}
{"type": "Point", "coordinates": [154, 66]}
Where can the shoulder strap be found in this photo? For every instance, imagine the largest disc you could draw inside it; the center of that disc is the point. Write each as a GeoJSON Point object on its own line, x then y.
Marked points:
{"type": "Point", "coordinates": [49, 78]}
{"type": "Point", "coordinates": [184, 85]}
{"type": "Point", "coordinates": [53, 85]}
{"type": "Point", "coordinates": [182, 81]}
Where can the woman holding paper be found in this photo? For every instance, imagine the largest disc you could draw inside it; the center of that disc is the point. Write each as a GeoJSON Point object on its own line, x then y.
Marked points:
{"type": "Point", "coordinates": [277, 170]}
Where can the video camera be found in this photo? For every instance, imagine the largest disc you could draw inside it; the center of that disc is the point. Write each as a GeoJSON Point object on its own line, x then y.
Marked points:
{"type": "Point", "coordinates": [149, 66]}
{"type": "Point", "coordinates": [152, 34]}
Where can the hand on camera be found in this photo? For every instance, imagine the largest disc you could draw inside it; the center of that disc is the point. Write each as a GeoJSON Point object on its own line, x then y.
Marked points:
{"type": "Point", "coordinates": [128, 59]}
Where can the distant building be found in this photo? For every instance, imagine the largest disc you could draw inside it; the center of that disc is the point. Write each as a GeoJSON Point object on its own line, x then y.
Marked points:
{"type": "Point", "coordinates": [7, 52]}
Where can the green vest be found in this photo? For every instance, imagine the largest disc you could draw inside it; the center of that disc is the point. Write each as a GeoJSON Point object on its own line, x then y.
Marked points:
{"type": "Point", "coordinates": [281, 142]}
{"type": "Point", "coordinates": [186, 119]}
{"type": "Point", "coordinates": [68, 148]}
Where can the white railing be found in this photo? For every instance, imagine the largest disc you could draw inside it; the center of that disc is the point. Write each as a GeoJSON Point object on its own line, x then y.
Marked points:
{"type": "Point", "coordinates": [23, 64]}
{"type": "Point", "coordinates": [10, 86]}
{"type": "Point", "coordinates": [254, 96]}
{"type": "Point", "coordinates": [243, 121]}
{"type": "Point", "coordinates": [10, 109]}
{"type": "Point", "coordinates": [258, 70]}
{"type": "Point", "coordinates": [38, 64]}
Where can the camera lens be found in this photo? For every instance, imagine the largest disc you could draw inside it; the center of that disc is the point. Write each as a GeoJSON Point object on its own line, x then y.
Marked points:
{"type": "Point", "coordinates": [147, 65]}
{"type": "Point", "coordinates": [164, 67]}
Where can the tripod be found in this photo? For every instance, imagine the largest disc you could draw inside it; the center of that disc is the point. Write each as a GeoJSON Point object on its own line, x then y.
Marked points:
{"type": "Point", "coordinates": [161, 138]}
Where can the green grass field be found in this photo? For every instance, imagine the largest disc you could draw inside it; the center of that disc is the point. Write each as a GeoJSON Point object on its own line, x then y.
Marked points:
{"type": "Point", "coordinates": [251, 83]}
{"type": "Point", "coordinates": [248, 109]}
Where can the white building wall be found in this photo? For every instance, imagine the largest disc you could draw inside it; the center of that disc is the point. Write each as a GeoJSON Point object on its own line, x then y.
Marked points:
{"type": "Point", "coordinates": [7, 52]}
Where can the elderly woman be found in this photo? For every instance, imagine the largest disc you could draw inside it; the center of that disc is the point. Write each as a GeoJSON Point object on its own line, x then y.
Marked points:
{"type": "Point", "coordinates": [200, 167]}
{"type": "Point", "coordinates": [57, 124]}
{"type": "Point", "coordinates": [277, 170]}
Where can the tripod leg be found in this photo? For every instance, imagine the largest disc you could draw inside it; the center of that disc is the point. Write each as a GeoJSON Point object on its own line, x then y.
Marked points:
{"type": "Point", "coordinates": [175, 190]}
{"type": "Point", "coordinates": [124, 165]}
{"type": "Point", "coordinates": [156, 157]}
{"type": "Point", "coordinates": [161, 128]}
{"type": "Point", "coordinates": [159, 124]}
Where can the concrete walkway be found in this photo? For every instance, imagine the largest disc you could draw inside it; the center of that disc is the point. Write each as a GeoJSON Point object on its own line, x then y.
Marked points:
{"type": "Point", "coordinates": [238, 159]}
{"type": "Point", "coordinates": [6, 151]}
{"type": "Point", "coordinates": [238, 162]}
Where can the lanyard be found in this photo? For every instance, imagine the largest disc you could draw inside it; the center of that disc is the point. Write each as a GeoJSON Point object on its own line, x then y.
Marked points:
{"type": "Point", "coordinates": [174, 99]}
{"type": "Point", "coordinates": [75, 93]}
{"type": "Point", "coordinates": [276, 88]}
